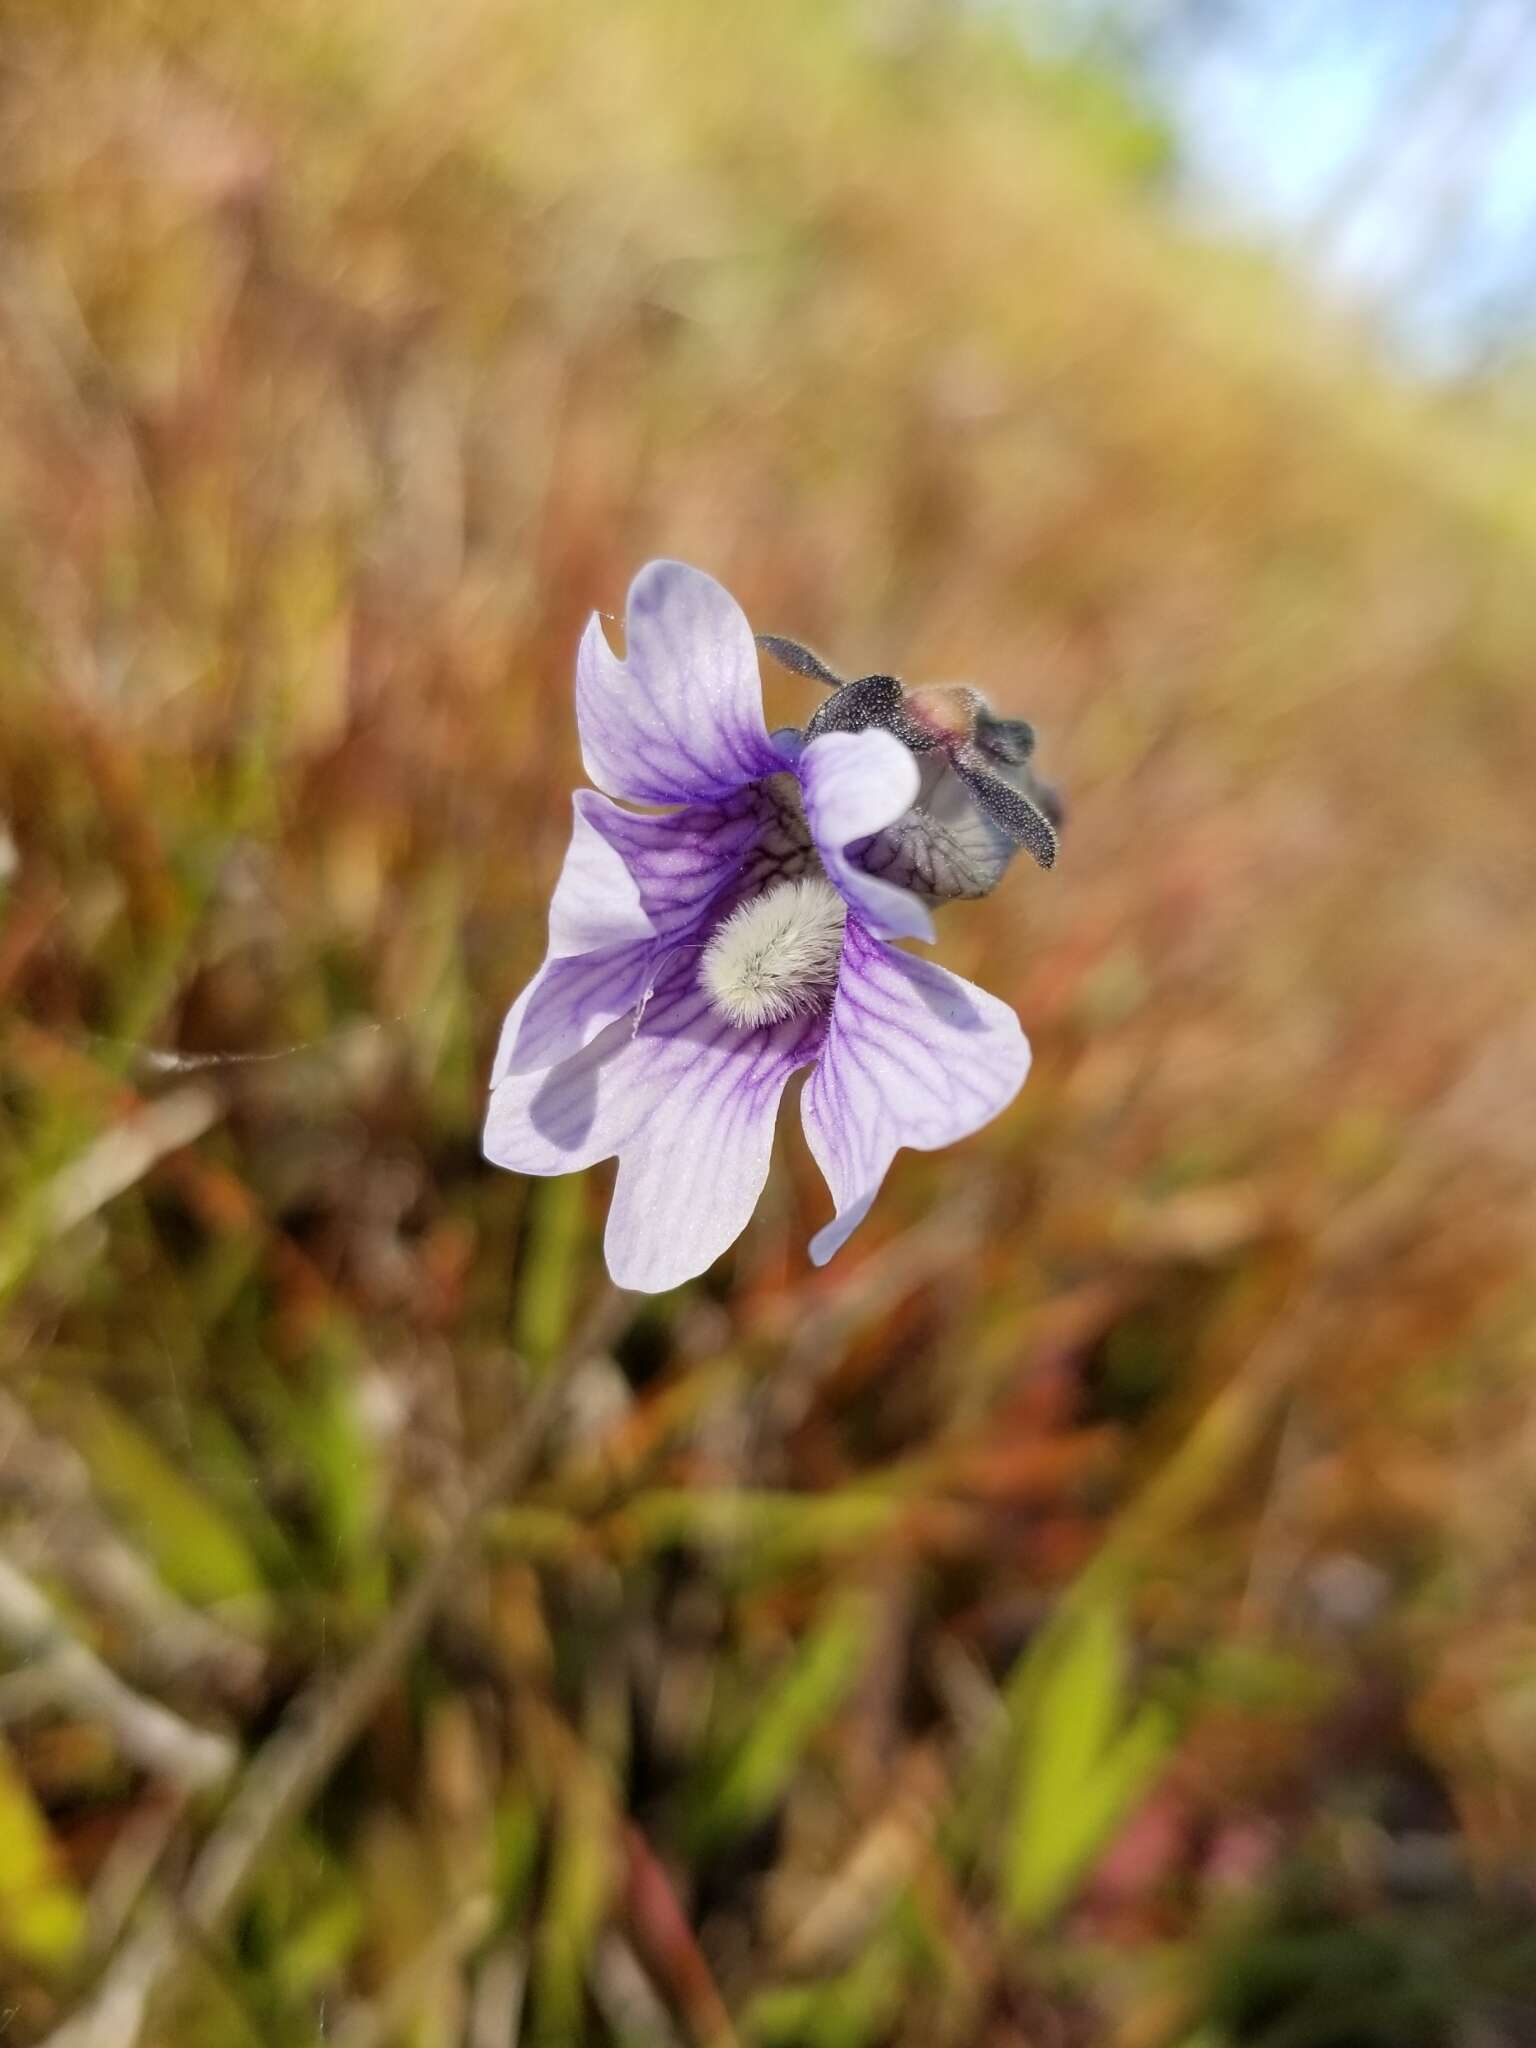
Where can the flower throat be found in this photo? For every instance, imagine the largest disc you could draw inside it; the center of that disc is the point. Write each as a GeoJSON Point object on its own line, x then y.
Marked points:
{"type": "Point", "coordinates": [777, 954]}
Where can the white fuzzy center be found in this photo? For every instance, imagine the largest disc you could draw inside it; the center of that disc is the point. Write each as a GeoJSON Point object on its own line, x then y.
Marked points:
{"type": "Point", "coordinates": [776, 956]}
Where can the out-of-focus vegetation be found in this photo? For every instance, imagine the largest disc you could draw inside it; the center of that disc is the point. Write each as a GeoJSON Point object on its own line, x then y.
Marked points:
{"type": "Point", "coordinates": [1098, 1608]}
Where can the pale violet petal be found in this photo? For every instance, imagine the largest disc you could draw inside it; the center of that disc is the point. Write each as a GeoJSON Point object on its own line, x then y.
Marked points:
{"type": "Point", "coordinates": [689, 1181]}
{"type": "Point", "coordinates": [679, 861]}
{"type": "Point", "coordinates": [688, 1103]}
{"type": "Point", "coordinates": [568, 1003]}
{"type": "Point", "coordinates": [597, 900]}
{"type": "Point", "coordinates": [511, 1031]}
{"type": "Point", "coordinates": [913, 1056]}
{"type": "Point", "coordinates": [601, 939]}
{"type": "Point", "coordinates": [856, 784]}
{"type": "Point", "coordinates": [563, 1118]}
{"type": "Point", "coordinates": [680, 718]}
{"type": "Point", "coordinates": [630, 884]}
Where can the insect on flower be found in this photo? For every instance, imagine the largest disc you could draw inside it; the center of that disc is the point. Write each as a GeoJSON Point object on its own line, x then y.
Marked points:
{"type": "Point", "coordinates": [702, 954]}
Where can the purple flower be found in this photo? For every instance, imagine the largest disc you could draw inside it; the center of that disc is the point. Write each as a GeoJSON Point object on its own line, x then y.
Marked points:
{"type": "Point", "coordinates": [700, 956]}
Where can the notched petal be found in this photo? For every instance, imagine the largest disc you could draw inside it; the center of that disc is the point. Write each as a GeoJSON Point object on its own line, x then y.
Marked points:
{"type": "Point", "coordinates": [680, 718]}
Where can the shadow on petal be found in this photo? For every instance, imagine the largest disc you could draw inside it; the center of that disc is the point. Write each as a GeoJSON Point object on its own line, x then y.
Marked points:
{"type": "Point", "coordinates": [565, 1103]}
{"type": "Point", "coordinates": [949, 1001]}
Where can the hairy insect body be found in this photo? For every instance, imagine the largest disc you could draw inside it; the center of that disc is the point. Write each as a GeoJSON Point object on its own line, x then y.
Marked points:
{"type": "Point", "coordinates": [980, 800]}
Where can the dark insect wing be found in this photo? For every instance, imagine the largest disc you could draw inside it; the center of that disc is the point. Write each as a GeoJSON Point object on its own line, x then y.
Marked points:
{"type": "Point", "coordinates": [1021, 817]}
{"type": "Point", "coordinates": [871, 701]}
{"type": "Point", "coordinates": [799, 660]}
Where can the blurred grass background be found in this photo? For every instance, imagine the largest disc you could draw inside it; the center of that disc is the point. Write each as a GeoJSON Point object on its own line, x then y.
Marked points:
{"type": "Point", "coordinates": [1098, 1608]}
